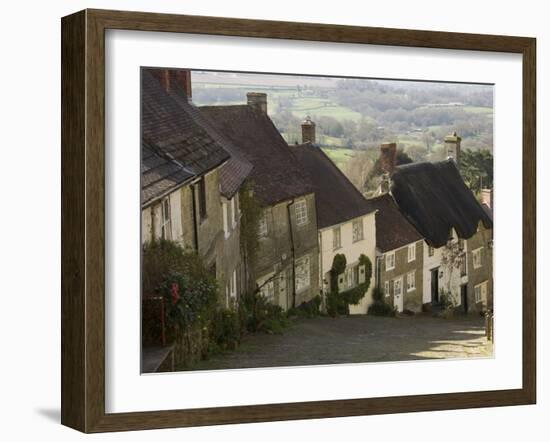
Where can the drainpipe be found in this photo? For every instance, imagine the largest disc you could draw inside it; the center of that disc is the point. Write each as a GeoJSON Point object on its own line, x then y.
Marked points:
{"type": "Point", "coordinates": [292, 254]}
{"type": "Point", "coordinates": [195, 222]}
{"type": "Point", "coordinates": [321, 273]}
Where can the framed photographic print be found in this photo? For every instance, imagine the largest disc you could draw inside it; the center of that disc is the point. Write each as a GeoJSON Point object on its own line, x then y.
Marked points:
{"type": "Point", "coordinates": [269, 220]}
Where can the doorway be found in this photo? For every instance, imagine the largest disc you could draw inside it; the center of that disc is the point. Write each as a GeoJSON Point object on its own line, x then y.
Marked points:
{"type": "Point", "coordinates": [435, 285]}
{"type": "Point", "coordinates": [464, 297]}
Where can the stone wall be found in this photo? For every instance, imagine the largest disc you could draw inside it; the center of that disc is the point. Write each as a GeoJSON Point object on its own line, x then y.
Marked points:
{"type": "Point", "coordinates": [411, 300]}
{"type": "Point", "coordinates": [483, 239]}
{"type": "Point", "coordinates": [275, 254]}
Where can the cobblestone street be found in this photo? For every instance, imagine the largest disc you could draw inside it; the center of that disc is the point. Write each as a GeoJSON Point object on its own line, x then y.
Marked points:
{"type": "Point", "coordinates": [354, 339]}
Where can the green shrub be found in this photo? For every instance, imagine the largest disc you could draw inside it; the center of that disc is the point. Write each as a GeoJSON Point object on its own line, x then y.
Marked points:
{"type": "Point", "coordinates": [225, 331]}
{"type": "Point", "coordinates": [381, 308]}
{"type": "Point", "coordinates": [258, 314]}
{"type": "Point", "coordinates": [378, 294]}
{"type": "Point", "coordinates": [336, 305]}
{"type": "Point", "coordinates": [308, 309]}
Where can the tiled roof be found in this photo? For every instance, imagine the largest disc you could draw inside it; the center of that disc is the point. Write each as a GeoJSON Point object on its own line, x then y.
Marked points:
{"type": "Point", "coordinates": [159, 174]}
{"type": "Point", "coordinates": [237, 168]}
{"type": "Point", "coordinates": [275, 176]}
{"type": "Point", "coordinates": [434, 199]}
{"type": "Point", "coordinates": [169, 127]}
{"type": "Point", "coordinates": [392, 228]}
{"type": "Point", "coordinates": [336, 198]}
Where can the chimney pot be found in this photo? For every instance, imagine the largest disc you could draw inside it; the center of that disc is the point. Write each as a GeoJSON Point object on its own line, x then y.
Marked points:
{"type": "Point", "coordinates": [174, 80]}
{"type": "Point", "coordinates": [308, 131]}
{"type": "Point", "coordinates": [452, 145]}
{"type": "Point", "coordinates": [388, 157]}
{"type": "Point", "coordinates": [257, 100]}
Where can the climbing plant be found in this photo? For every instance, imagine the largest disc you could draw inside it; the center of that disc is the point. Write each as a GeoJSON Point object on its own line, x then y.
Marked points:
{"type": "Point", "coordinates": [251, 212]}
{"type": "Point", "coordinates": [338, 302]}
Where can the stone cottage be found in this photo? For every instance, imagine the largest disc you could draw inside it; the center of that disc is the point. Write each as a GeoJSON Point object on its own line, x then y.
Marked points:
{"type": "Point", "coordinates": [400, 256]}
{"type": "Point", "coordinates": [190, 178]}
{"type": "Point", "coordinates": [457, 230]}
{"type": "Point", "coordinates": [345, 219]}
{"type": "Point", "coordinates": [287, 266]}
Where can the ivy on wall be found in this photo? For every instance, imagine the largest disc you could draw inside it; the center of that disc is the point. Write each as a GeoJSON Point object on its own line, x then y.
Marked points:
{"type": "Point", "coordinates": [338, 302]}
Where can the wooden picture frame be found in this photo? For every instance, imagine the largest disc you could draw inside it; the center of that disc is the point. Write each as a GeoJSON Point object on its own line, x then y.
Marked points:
{"type": "Point", "coordinates": [83, 216]}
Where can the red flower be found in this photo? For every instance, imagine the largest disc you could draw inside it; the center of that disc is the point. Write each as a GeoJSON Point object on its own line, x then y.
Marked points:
{"type": "Point", "coordinates": [175, 293]}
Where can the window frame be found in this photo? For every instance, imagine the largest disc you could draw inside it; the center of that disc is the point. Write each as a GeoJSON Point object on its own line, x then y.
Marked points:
{"type": "Point", "coordinates": [477, 252]}
{"type": "Point", "coordinates": [225, 221]}
{"type": "Point", "coordinates": [203, 212]}
{"type": "Point", "coordinates": [336, 245]}
{"type": "Point", "coordinates": [411, 288]}
{"type": "Point", "coordinates": [411, 247]}
{"type": "Point", "coordinates": [388, 254]}
{"type": "Point", "coordinates": [301, 213]}
{"type": "Point", "coordinates": [360, 230]}
{"type": "Point", "coordinates": [165, 221]}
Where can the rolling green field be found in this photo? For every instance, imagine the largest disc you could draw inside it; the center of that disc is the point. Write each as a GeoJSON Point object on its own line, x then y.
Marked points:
{"type": "Point", "coordinates": [319, 107]}
{"type": "Point", "coordinates": [340, 156]}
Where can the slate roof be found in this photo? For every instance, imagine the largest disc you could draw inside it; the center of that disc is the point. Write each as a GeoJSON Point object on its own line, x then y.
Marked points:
{"type": "Point", "coordinates": [434, 199]}
{"type": "Point", "coordinates": [275, 175]}
{"type": "Point", "coordinates": [392, 228]}
{"type": "Point", "coordinates": [336, 198]}
{"type": "Point", "coordinates": [237, 168]}
{"type": "Point", "coordinates": [168, 126]}
{"type": "Point", "coordinates": [159, 174]}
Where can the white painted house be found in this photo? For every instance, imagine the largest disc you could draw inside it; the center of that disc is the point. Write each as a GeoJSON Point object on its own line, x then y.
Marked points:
{"type": "Point", "coordinates": [345, 220]}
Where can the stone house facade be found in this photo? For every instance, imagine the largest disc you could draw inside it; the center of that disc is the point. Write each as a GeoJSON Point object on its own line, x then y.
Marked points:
{"type": "Point", "coordinates": [286, 270]}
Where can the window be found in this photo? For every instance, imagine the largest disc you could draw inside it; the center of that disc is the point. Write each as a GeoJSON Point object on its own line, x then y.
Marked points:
{"type": "Point", "coordinates": [225, 220]}
{"type": "Point", "coordinates": [397, 287]}
{"type": "Point", "coordinates": [165, 222]}
{"type": "Point", "coordinates": [302, 273]}
{"type": "Point", "coordinates": [411, 252]}
{"type": "Point", "coordinates": [202, 198]}
{"type": "Point", "coordinates": [262, 225]}
{"type": "Point", "coordinates": [411, 281]}
{"type": "Point", "coordinates": [233, 213]}
{"type": "Point", "coordinates": [390, 261]}
{"type": "Point", "coordinates": [480, 292]}
{"type": "Point", "coordinates": [358, 230]}
{"type": "Point", "coordinates": [476, 256]}
{"type": "Point", "coordinates": [336, 238]}
{"type": "Point", "coordinates": [233, 284]}
{"type": "Point", "coordinates": [300, 210]}
{"type": "Point", "coordinates": [430, 251]}
{"type": "Point", "coordinates": [463, 265]}
{"type": "Point", "coordinates": [387, 288]}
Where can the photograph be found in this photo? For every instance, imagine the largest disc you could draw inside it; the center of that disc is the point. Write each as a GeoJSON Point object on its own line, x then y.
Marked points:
{"type": "Point", "coordinates": [293, 220]}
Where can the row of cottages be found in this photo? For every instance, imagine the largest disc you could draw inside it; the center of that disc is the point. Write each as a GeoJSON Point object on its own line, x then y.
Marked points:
{"type": "Point", "coordinates": [434, 239]}
{"type": "Point", "coordinates": [195, 160]}
{"type": "Point", "coordinates": [423, 226]}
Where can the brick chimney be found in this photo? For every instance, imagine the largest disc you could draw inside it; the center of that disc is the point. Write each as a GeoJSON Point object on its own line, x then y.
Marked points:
{"type": "Point", "coordinates": [487, 197]}
{"type": "Point", "coordinates": [257, 100]}
{"type": "Point", "coordinates": [308, 131]}
{"type": "Point", "coordinates": [452, 146]}
{"type": "Point", "coordinates": [174, 80]}
{"type": "Point", "coordinates": [388, 157]}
